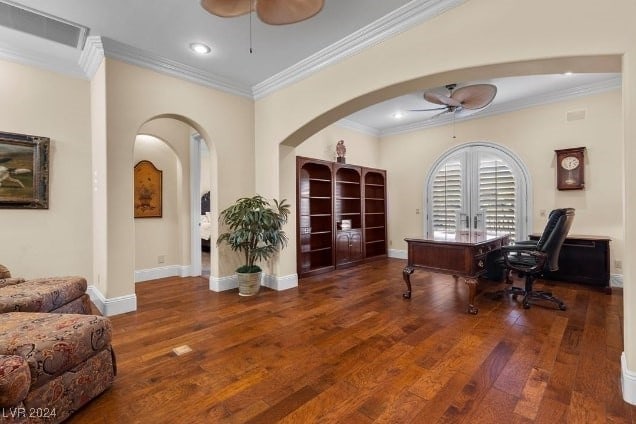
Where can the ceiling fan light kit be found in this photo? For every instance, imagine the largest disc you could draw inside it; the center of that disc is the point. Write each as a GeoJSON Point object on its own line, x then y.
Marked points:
{"type": "Point", "coordinates": [272, 12]}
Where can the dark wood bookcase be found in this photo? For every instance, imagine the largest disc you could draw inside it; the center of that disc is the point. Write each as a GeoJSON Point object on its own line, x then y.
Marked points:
{"type": "Point", "coordinates": [315, 217]}
{"type": "Point", "coordinates": [375, 235]}
{"type": "Point", "coordinates": [327, 194]}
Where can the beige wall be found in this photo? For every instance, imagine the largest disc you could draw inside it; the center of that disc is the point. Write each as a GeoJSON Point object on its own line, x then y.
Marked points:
{"type": "Point", "coordinates": [135, 95]}
{"type": "Point", "coordinates": [176, 137]}
{"type": "Point", "coordinates": [98, 163]}
{"type": "Point", "coordinates": [362, 149]}
{"type": "Point", "coordinates": [57, 241]}
{"type": "Point", "coordinates": [532, 134]}
{"type": "Point", "coordinates": [155, 237]}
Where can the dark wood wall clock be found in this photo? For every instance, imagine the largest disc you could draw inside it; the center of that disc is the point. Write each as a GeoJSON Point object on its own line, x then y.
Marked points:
{"type": "Point", "coordinates": [571, 168]}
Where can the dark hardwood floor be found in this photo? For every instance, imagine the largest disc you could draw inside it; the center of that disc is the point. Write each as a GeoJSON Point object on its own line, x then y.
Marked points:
{"type": "Point", "coordinates": [346, 347]}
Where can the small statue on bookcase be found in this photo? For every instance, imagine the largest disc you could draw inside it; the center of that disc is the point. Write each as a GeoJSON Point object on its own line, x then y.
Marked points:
{"type": "Point", "coordinates": [341, 151]}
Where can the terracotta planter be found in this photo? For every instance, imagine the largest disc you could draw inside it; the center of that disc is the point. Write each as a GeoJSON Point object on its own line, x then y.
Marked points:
{"type": "Point", "coordinates": [249, 283]}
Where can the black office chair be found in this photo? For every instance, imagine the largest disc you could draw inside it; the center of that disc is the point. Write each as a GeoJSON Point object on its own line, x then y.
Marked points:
{"type": "Point", "coordinates": [532, 259]}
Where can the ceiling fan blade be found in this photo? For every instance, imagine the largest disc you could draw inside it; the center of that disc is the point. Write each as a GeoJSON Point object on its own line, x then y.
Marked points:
{"type": "Point", "coordinates": [475, 96]}
{"type": "Point", "coordinates": [281, 12]}
{"type": "Point", "coordinates": [440, 114]}
{"type": "Point", "coordinates": [227, 8]}
{"type": "Point", "coordinates": [440, 99]}
{"type": "Point", "coordinates": [427, 110]}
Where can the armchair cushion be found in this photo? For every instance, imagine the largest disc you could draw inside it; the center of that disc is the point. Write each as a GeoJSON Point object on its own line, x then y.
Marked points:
{"type": "Point", "coordinates": [41, 294]}
{"type": "Point", "coordinates": [15, 380]}
{"type": "Point", "coordinates": [56, 342]}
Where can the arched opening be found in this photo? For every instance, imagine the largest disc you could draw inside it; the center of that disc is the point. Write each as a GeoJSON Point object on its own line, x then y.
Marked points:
{"type": "Point", "coordinates": [397, 160]}
{"type": "Point", "coordinates": [171, 245]}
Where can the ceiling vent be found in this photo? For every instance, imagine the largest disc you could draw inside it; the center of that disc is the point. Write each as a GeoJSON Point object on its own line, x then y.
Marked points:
{"type": "Point", "coordinates": [41, 25]}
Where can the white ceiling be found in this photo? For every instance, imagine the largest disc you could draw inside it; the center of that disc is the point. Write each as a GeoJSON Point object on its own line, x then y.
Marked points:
{"type": "Point", "coordinates": [157, 33]}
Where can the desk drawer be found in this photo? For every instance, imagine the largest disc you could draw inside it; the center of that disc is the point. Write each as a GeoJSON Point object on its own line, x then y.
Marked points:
{"type": "Point", "coordinates": [484, 249]}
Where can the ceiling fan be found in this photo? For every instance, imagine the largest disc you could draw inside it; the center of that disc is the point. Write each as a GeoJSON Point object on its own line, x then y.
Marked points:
{"type": "Point", "coordinates": [470, 97]}
{"type": "Point", "coordinates": [273, 12]}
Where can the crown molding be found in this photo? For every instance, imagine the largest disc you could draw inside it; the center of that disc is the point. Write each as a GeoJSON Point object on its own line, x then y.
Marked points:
{"type": "Point", "coordinates": [95, 48]}
{"type": "Point", "coordinates": [120, 51]}
{"type": "Point", "coordinates": [92, 56]}
{"type": "Point", "coordinates": [356, 126]}
{"type": "Point", "coordinates": [400, 20]}
{"type": "Point", "coordinates": [556, 96]}
{"type": "Point", "coordinates": [34, 59]}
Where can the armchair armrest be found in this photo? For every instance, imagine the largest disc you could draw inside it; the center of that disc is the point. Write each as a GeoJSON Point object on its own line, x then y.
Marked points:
{"type": "Point", "coordinates": [15, 380]}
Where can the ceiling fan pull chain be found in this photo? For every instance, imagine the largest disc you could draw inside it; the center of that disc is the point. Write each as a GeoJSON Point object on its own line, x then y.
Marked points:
{"type": "Point", "coordinates": [454, 124]}
{"type": "Point", "coordinates": [251, 12]}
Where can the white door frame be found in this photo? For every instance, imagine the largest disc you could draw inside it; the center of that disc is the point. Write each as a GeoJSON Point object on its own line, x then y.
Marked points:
{"type": "Point", "coordinates": [195, 204]}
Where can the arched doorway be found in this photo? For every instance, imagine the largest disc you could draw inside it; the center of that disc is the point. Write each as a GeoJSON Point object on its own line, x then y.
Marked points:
{"type": "Point", "coordinates": [175, 144]}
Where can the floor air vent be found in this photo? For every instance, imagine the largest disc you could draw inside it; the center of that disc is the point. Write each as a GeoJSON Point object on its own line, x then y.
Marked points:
{"type": "Point", "coordinates": [42, 25]}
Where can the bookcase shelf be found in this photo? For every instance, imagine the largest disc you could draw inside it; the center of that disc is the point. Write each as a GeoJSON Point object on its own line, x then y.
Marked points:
{"type": "Point", "coordinates": [327, 194]}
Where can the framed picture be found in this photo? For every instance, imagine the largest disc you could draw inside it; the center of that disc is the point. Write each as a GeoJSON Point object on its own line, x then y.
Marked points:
{"type": "Point", "coordinates": [24, 171]}
{"type": "Point", "coordinates": [147, 190]}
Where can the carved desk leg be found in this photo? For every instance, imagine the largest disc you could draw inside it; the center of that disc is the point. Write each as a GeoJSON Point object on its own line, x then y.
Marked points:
{"type": "Point", "coordinates": [406, 274]}
{"type": "Point", "coordinates": [472, 291]}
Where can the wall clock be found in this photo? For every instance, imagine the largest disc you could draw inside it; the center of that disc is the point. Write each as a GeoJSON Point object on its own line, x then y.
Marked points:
{"type": "Point", "coordinates": [571, 168]}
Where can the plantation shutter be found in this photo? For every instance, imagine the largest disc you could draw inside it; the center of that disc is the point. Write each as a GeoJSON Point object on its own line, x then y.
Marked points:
{"type": "Point", "coordinates": [447, 197]}
{"type": "Point", "coordinates": [477, 188]}
{"type": "Point", "coordinates": [497, 196]}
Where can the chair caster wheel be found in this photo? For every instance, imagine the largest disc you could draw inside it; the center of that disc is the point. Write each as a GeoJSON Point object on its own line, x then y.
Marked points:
{"type": "Point", "coordinates": [526, 306]}
{"type": "Point", "coordinates": [562, 307]}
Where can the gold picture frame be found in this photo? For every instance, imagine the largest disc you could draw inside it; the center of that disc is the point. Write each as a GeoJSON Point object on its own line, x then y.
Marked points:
{"type": "Point", "coordinates": [24, 171]}
{"type": "Point", "coordinates": [148, 190]}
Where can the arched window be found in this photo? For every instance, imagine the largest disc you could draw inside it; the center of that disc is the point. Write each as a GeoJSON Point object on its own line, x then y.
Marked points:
{"type": "Point", "coordinates": [478, 186]}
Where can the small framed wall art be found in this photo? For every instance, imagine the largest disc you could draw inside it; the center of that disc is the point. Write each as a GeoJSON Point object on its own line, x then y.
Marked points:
{"type": "Point", "coordinates": [148, 190]}
{"type": "Point", "coordinates": [24, 171]}
{"type": "Point", "coordinates": [570, 166]}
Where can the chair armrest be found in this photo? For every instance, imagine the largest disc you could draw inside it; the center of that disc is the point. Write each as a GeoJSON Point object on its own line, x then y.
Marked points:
{"type": "Point", "coordinates": [523, 259]}
{"type": "Point", "coordinates": [15, 380]}
{"type": "Point", "coordinates": [528, 243]}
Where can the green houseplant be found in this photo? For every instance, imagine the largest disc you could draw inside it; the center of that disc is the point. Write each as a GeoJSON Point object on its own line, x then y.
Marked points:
{"type": "Point", "coordinates": [254, 228]}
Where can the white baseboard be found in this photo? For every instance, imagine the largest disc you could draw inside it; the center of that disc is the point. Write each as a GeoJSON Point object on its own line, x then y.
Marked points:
{"type": "Point", "coordinates": [219, 284]}
{"type": "Point", "coordinates": [628, 382]}
{"type": "Point", "coordinates": [399, 254]}
{"type": "Point", "coordinates": [112, 306]}
{"type": "Point", "coordinates": [273, 282]}
{"type": "Point", "coordinates": [280, 283]}
{"type": "Point", "coordinates": [616, 280]}
{"type": "Point", "coordinates": [162, 272]}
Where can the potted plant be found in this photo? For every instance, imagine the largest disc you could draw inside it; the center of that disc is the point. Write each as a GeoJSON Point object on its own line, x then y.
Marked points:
{"type": "Point", "coordinates": [255, 228]}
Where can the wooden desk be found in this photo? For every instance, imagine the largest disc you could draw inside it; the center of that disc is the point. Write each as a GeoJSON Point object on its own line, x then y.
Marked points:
{"type": "Point", "coordinates": [465, 257]}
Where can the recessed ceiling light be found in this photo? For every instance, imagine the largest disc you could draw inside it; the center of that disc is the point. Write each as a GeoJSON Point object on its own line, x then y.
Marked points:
{"type": "Point", "coordinates": [568, 73]}
{"type": "Point", "coordinates": [398, 115]}
{"type": "Point", "coordinates": [200, 48]}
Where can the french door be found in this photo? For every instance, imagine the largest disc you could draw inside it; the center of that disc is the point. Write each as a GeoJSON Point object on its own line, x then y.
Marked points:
{"type": "Point", "coordinates": [477, 188]}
